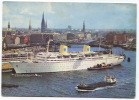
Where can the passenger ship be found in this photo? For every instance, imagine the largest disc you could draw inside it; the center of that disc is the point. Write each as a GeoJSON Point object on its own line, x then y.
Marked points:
{"type": "Point", "coordinates": [65, 61]}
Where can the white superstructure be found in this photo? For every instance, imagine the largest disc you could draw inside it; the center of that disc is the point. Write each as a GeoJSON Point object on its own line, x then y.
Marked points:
{"type": "Point", "coordinates": [64, 61]}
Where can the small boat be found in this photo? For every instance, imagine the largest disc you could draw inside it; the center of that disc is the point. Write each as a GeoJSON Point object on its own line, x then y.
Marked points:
{"type": "Point", "coordinates": [9, 86]}
{"type": "Point", "coordinates": [108, 81]}
{"type": "Point", "coordinates": [26, 75]}
{"type": "Point", "coordinates": [100, 66]}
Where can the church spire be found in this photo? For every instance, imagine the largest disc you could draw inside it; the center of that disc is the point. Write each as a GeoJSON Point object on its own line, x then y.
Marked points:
{"type": "Point", "coordinates": [9, 25]}
{"type": "Point", "coordinates": [43, 16]}
{"type": "Point", "coordinates": [46, 25]}
{"type": "Point", "coordinates": [43, 24]}
{"type": "Point", "coordinates": [83, 26]}
{"type": "Point", "coordinates": [30, 24]}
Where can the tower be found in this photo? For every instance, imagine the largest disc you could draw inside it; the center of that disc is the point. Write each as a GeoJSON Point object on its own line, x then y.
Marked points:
{"type": "Point", "coordinates": [83, 26]}
{"type": "Point", "coordinates": [85, 35]}
{"type": "Point", "coordinates": [8, 25]}
{"type": "Point", "coordinates": [46, 25]}
{"type": "Point", "coordinates": [43, 24]}
{"type": "Point", "coordinates": [30, 24]}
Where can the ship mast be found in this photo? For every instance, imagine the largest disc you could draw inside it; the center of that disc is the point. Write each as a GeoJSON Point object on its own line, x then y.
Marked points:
{"type": "Point", "coordinates": [48, 43]}
{"type": "Point", "coordinates": [99, 42]}
{"type": "Point", "coordinates": [27, 53]}
{"type": "Point", "coordinates": [48, 46]}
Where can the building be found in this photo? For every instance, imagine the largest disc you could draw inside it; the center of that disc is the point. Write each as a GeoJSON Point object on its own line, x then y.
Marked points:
{"type": "Point", "coordinates": [95, 36]}
{"type": "Point", "coordinates": [60, 37]}
{"type": "Point", "coordinates": [88, 36]}
{"type": "Point", "coordinates": [40, 39]}
{"type": "Point", "coordinates": [116, 39]}
{"type": "Point", "coordinates": [69, 28]}
{"type": "Point", "coordinates": [71, 36]}
{"type": "Point", "coordinates": [8, 40]}
{"type": "Point", "coordinates": [22, 39]}
{"type": "Point", "coordinates": [17, 40]}
{"type": "Point", "coordinates": [8, 31]}
{"type": "Point", "coordinates": [80, 35]}
{"type": "Point", "coordinates": [26, 40]}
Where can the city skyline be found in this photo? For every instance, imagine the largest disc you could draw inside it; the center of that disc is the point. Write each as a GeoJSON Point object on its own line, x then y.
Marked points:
{"type": "Point", "coordinates": [60, 15]}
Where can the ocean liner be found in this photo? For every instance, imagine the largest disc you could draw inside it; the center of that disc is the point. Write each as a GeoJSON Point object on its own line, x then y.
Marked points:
{"type": "Point", "coordinates": [65, 61]}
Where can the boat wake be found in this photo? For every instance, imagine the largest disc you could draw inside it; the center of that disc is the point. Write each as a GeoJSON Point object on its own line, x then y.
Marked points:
{"type": "Point", "coordinates": [125, 80]}
{"type": "Point", "coordinates": [26, 75]}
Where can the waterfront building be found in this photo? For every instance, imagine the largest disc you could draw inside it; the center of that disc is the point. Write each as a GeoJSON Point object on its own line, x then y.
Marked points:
{"type": "Point", "coordinates": [60, 37]}
{"type": "Point", "coordinates": [117, 38]}
{"type": "Point", "coordinates": [71, 36]}
{"type": "Point", "coordinates": [95, 36]}
{"type": "Point", "coordinates": [40, 39]}
{"type": "Point", "coordinates": [88, 36]}
{"type": "Point", "coordinates": [80, 35]}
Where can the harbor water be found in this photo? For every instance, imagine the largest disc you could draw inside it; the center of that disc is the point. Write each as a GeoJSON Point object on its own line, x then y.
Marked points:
{"type": "Point", "coordinates": [62, 84]}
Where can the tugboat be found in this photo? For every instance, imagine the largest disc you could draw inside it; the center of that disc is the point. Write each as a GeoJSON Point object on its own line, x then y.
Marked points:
{"type": "Point", "coordinates": [108, 81]}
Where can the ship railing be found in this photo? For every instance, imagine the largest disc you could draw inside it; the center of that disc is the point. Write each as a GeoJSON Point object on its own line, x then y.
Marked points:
{"type": "Point", "coordinates": [13, 59]}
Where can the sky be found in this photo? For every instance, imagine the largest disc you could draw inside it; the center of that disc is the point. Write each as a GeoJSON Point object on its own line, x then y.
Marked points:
{"type": "Point", "coordinates": [60, 15]}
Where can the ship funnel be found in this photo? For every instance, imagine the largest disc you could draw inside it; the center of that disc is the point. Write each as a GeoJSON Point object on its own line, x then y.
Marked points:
{"type": "Point", "coordinates": [86, 49]}
{"type": "Point", "coordinates": [63, 49]}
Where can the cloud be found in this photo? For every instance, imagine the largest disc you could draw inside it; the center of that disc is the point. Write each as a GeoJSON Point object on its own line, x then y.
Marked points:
{"type": "Point", "coordinates": [15, 20]}
{"type": "Point", "coordinates": [49, 8]}
{"type": "Point", "coordinates": [26, 11]}
{"type": "Point", "coordinates": [63, 14]}
{"type": "Point", "coordinates": [5, 9]}
{"type": "Point", "coordinates": [33, 8]}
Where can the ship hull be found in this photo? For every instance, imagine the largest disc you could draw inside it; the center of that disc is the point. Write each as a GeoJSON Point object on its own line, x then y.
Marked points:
{"type": "Point", "coordinates": [94, 86]}
{"type": "Point", "coordinates": [69, 65]}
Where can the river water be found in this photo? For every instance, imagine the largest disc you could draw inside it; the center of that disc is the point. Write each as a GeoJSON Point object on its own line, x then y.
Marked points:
{"type": "Point", "coordinates": [62, 84]}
